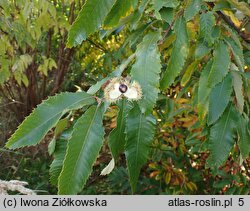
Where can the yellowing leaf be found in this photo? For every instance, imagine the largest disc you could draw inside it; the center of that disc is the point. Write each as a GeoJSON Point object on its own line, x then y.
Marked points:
{"type": "Point", "coordinates": [168, 178]}
{"type": "Point", "coordinates": [232, 17]}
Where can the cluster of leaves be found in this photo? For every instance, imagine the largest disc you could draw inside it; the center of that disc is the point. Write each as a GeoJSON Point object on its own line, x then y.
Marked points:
{"type": "Point", "coordinates": [200, 47]}
{"type": "Point", "coordinates": [180, 152]}
{"type": "Point", "coordinates": [33, 58]}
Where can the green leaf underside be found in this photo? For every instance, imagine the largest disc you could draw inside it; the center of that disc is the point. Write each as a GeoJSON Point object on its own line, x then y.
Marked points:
{"type": "Point", "coordinates": [45, 116]}
{"type": "Point", "coordinates": [59, 155]}
{"type": "Point", "coordinates": [238, 86]}
{"type": "Point", "coordinates": [219, 99]}
{"type": "Point", "coordinates": [178, 55]}
{"type": "Point", "coordinates": [140, 130]}
{"type": "Point", "coordinates": [204, 91]}
{"type": "Point", "coordinates": [88, 20]}
{"type": "Point", "coordinates": [82, 151]}
{"type": "Point", "coordinates": [220, 65]}
{"type": "Point", "coordinates": [117, 136]}
{"type": "Point", "coordinates": [120, 9]}
{"type": "Point", "coordinates": [146, 70]}
{"type": "Point", "coordinates": [244, 137]}
{"type": "Point", "coordinates": [221, 139]}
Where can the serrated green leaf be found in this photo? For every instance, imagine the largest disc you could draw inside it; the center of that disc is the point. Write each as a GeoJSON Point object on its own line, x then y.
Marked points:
{"type": "Point", "coordinates": [140, 130]}
{"type": "Point", "coordinates": [204, 91]}
{"type": "Point", "coordinates": [201, 50]}
{"type": "Point", "coordinates": [220, 65]}
{"type": "Point", "coordinates": [146, 70]}
{"type": "Point", "coordinates": [221, 139]}
{"type": "Point", "coordinates": [179, 54]}
{"type": "Point", "coordinates": [244, 137]}
{"type": "Point", "coordinates": [83, 148]}
{"type": "Point", "coordinates": [59, 155]}
{"type": "Point", "coordinates": [189, 72]}
{"type": "Point", "coordinates": [120, 9]}
{"type": "Point", "coordinates": [237, 53]}
{"type": "Point", "coordinates": [192, 9]}
{"type": "Point", "coordinates": [219, 99]}
{"type": "Point", "coordinates": [207, 22]}
{"type": "Point", "coordinates": [117, 136]}
{"type": "Point", "coordinates": [238, 86]}
{"type": "Point", "coordinates": [138, 14]}
{"type": "Point", "coordinates": [45, 116]}
{"type": "Point", "coordinates": [88, 20]}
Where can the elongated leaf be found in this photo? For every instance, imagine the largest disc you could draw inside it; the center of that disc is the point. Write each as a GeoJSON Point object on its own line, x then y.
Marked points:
{"type": "Point", "coordinates": [4, 70]}
{"type": "Point", "coordinates": [189, 72]}
{"type": "Point", "coordinates": [244, 137]}
{"type": "Point", "coordinates": [221, 64]}
{"type": "Point", "coordinates": [59, 155]}
{"type": "Point", "coordinates": [140, 130]}
{"type": "Point", "coordinates": [45, 116]}
{"type": "Point", "coordinates": [221, 139]}
{"type": "Point", "coordinates": [192, 9]}
{"type": "Point", "coordinates": [117, 136]}
{"type": "Point", "coordinates": [138, 14]}
{"type": "Point", "coordinates": [120, 9]}
{"type": "Point", "coordinates": [237, 53]}
{"type": "Point", "coordinates": [207, 22]}
{"type": "Point", "coordinates": [204, 91]}
{"type": "Point", "coordinates": [88, 20]}
{"type": "Point", "coordinates": [219, 99]}
{"type": "Point", "coordinates": [238, 86]}
{"type": "Point", "coordinates": [178, 55]}
{"type": "Point", "coordinates": [82, 151]}
{"type": "Point", "coordinates": [146, 70]}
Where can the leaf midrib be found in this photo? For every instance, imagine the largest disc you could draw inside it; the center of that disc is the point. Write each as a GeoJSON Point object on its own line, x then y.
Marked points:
{"type": "Point", "coordinates": [146, 61]}
{"type": "Point", "coordinates": [122, 122]}
{"type": "Point", "coordinates": [84, 143]}
{"type": "Point", "coordinates": [225, 126]}
{"type": "Point", "coordinates": [62, 112]}
{"type": "Point", "coordinates": [138, 139]}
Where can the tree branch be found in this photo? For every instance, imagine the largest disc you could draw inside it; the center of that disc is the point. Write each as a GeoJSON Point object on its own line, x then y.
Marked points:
{"type": "Point", "coordinates": [244, 36]}
{"type": "Point", "coordinates": [228, 21]}
{"type": "Point", "coordinates": [98, 45]}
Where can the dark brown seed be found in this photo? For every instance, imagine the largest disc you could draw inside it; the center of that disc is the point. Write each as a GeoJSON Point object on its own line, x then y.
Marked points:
{"type": "Point", "coordinates": [123, 88]}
